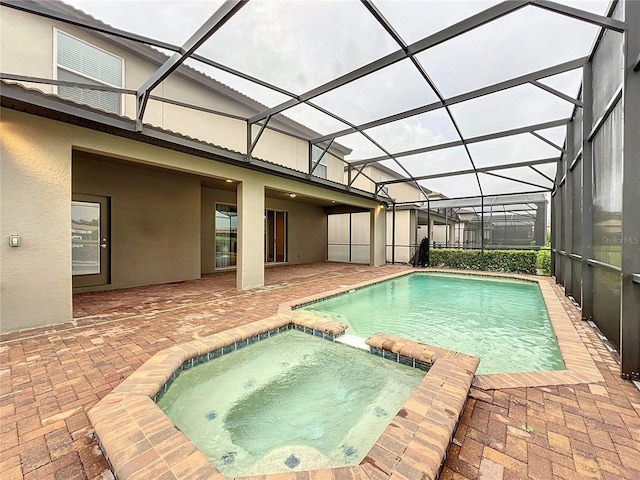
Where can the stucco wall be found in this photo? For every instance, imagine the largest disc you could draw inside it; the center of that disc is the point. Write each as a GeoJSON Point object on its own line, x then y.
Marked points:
{"type": "Point", "coordinates": [35, 203]}
{"type": "Point", "coordinates": [404, 192]}
{"type": "Point", "coordinates": [401, 192]}
{"type": "Point", "coordinates": [307, 229]}
{"type": "Point", "coordinates": [307, 237]}
{"type": "Point", "coordinates": [35, 199]}
{"type": "Point", "coordinates": [27, 48]}
{"type": "Point", "coordinates": [210, 197]}
{"type": "Point", "coordinates": [15, 28]}
{"type": "Point", "coordinates": [405, 234]}
{"type": "Point", "coordinates": [155, 220]}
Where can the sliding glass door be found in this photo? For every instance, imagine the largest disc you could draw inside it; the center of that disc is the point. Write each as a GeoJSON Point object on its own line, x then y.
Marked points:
{"type": "Point", "coordinates": [275, 236]}
{"type": "Point", "coordinates": [226, 235]}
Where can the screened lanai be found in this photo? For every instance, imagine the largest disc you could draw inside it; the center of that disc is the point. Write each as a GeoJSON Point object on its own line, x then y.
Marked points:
{"type": "Point", "coordinates": [517, 113]}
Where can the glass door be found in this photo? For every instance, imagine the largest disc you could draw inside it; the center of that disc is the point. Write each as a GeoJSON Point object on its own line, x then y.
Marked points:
{"type": "Point", "coordinates": [226, 235]}
{"type": "Point", "coordinates": [90, 240]}
{"type": "Point", "coordinates": [275, 234]}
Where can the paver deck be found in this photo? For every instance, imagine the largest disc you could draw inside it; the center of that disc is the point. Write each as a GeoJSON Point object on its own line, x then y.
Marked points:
{"type": "Point", "coordinates": [50, 377]}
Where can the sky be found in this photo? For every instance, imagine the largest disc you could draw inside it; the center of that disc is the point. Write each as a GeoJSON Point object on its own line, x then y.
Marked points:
{"type": "Point", "coordinates": [299, 45]}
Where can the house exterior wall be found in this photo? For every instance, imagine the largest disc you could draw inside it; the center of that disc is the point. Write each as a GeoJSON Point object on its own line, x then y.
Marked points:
{"type": "Point", "coordinates": [155, 220]}
{"type": "Point", "coordinates": [404, 192]}
{"type": "Point", "coordinates": [36, 165]}
{"type": "Point", "coordinates": [400, 192]}
{"type": "Point", "coordinates": [405, 226]}
{"type": "Point", "coordinates": [17, 30]}
{"type": "Point", "coordinates": [335, 169]}
{"type": "Point", "coordinates": [349, 237]}
{"type": "Point", "coordinates": [210, 197]}
{"type": "Point", "coordinates": [35, 203]}
{"type": "Point", "coordinates": [405, 235]}
{"type": "Point", "coordinates": [363, 182]}
{"type": "Point", "coordinates": [338, 237]}
{"type": "Point", "coordinates": [27, 44]}
{"type": "Point", "coordinates": [360, 237]}
{"type": "Point", "coordinates": [306, 236]}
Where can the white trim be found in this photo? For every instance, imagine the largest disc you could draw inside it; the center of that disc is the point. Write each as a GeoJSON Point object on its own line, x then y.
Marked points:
{"type": "Point", "coordinates": [56, 31]}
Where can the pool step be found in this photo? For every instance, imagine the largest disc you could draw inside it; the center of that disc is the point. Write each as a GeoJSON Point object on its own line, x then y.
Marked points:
{"type": "Point", "coordinates": [353, 341]}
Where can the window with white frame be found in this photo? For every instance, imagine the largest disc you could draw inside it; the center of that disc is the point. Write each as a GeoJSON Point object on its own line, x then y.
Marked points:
{"type": "Point", "coordinates": [321, 169]}
{"type": "Point", "coordinates": [78, 61]}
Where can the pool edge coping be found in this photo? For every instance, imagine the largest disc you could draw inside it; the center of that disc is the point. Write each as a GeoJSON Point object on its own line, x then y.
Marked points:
{"type": "Point", "coordinates": [139, 441]}
{"type": "Point", "coordinates": [580, 367]}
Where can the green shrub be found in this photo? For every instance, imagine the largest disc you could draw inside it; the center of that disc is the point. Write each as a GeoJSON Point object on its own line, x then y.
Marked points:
{"type": "Point", "coordinates": [514, 261]}
{"type": "Point", "coordinates": [455, 258]}
{"type": "Point", "coordinates": [543, 262]}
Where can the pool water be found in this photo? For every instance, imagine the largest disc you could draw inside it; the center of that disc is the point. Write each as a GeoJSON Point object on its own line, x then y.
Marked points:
{"type": "Point", "coordinates": [288, 403]}
{"type": "Point", "coordinates": [504, 322]}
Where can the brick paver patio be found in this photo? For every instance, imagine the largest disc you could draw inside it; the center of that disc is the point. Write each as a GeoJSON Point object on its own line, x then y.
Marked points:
{"type": "Point", "coordinates": [50, 378]}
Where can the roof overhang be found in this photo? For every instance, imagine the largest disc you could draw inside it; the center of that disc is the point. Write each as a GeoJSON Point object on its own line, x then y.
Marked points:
{"type": "Point", "coordinates": [34, 102]}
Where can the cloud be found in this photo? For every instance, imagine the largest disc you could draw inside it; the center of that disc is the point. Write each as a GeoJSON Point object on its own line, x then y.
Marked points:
{"type": "Point", "coordinates": [299, 45]}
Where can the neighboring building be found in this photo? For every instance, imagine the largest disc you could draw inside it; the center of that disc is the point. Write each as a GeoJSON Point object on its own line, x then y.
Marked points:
{"type": "Point", "coordinates": [407, 224]}
{"type": "Point", "coordinates": [99, 203]}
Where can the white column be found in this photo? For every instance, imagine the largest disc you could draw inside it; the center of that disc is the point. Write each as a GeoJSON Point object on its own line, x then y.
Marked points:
{"type": "Point", "coordinates": [250, 269]}
{"type": "Point", "coordinates": [377, 242]}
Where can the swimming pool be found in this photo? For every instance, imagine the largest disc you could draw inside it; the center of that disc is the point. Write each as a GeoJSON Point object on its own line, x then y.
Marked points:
{"type": "Point", "coordinates": [291, 402]}
{"type": "Point", "coordinates": [502, 321]}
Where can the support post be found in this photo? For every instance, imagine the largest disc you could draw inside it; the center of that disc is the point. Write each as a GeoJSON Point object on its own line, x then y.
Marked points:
{"type": "Point", "coordinates": [350, 237]}
{"type": "Point", "coordinates": [567, 206]}
{"type": "Point", "coordinates": [587, 193]}
{"type": "Point", "coordinates": [377, 237]}
{"type": "Point", "coordinates": [554, 243]}
{"type": "Point", "coordinates": [630, 314]}
{"type": "Point", "coordinates": [541, 224]}
{"type": "Point", "coordinates": [482, 232]}
{"type": "Point", "coordinates": [250, 269]}
{"type": "Point", "coordinates": [446, 227]}
{"type": "Point", "coordinates": [429, 229]}
{"type": "Point", "coordinates": [452, 233]}
{"type": "Point", "coordinates": [393, 234]}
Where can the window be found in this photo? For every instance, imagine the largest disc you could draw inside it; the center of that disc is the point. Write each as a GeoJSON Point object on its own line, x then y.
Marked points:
{"type": "Point", "coordinates": [77, 61]}
{"type": "Point", "coordinates": [321, 169]}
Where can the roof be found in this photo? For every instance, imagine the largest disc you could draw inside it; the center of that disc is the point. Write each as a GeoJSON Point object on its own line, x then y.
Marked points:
{"type": "Point", "coordinates": [32, 101]}
{"type": "Point", "coordinates": [472, 99]}
{"type": "Point", "coordinates": [157, 57]}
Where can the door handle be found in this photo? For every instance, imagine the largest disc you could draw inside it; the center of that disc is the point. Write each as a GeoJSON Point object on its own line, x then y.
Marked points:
{"type": "Point", "coordinates": [103, 245]}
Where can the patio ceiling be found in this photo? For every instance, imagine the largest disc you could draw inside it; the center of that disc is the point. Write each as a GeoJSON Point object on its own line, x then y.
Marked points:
{"type": "Point", "coordinates": [469, 99]}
